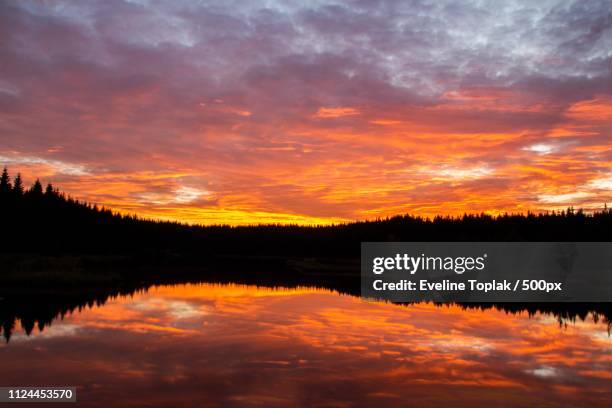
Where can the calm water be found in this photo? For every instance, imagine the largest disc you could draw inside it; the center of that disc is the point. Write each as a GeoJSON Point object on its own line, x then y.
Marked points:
{"type": "Point", "coordinates": [200, 345]}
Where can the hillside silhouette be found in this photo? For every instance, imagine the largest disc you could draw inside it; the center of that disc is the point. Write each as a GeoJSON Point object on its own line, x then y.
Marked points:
{"type": "Point", "coordinates": [46, 221]}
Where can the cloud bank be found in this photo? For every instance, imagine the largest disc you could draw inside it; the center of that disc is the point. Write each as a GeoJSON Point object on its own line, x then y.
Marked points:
{"type": "Point", "coordinates": [310, 112]}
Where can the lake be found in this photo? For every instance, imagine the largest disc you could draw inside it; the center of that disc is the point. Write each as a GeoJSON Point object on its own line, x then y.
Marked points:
{"type": "Point", "coordinates": [241, 345]}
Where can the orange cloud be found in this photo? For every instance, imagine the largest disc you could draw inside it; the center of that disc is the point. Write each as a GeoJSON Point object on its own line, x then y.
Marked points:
{"type": "Point", "coordinates": [327, 113]}
{"type": "Point", "coordinates": [598, 109]}
{"type": "Point", "coordinates": [310, 124]}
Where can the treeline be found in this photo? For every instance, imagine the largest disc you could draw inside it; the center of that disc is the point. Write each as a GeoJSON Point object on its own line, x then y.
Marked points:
{"type": "Point", "coordinates": [44, 220]}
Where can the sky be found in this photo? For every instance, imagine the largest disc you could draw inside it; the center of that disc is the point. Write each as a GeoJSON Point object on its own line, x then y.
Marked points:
{"type": "Point", "coordinates": [310, 112]}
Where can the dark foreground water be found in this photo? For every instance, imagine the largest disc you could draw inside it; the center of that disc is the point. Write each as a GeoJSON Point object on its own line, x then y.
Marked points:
{"type": "Point", "coordinates": [236, 345]}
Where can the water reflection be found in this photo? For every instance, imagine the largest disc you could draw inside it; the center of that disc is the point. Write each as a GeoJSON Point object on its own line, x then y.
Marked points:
{"type": "Point", "coordinates": [212, 344]}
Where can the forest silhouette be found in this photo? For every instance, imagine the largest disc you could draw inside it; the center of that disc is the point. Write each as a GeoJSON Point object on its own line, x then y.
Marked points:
{"type": "Point", "coordinates": [115, 254]}
{"type": "Point", "coordinates": [47, 221]}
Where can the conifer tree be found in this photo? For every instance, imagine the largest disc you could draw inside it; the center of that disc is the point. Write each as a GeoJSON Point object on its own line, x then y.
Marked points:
{"type": "Point", "coordinates": [36, 189]}
{"type": "Point", "coordinates": [49, 190]}
{"type": "Point", "coordinates": [5, 182]}
{"type": "Point", "coordinates": [18, 185]}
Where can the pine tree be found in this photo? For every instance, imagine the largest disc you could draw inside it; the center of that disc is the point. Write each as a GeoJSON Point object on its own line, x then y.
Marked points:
{"type": "Point", "coordinates": [5, 182]}
{"type": "Point", "coordinates": [36, 189]}
{"type": "Point", "coordinates": [18, 185]}
{"type": "Point", "coordinates": [49, 190]}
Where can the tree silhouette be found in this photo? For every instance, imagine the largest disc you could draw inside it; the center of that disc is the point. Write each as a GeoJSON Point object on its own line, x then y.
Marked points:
{"type": "Point", "coordinates": [5, 182]}
{"type": "Point", "coordinates": [36, 190]}
{"type": "Point", "coordinates": [18, 185]}
{"type": "Point", "coordinates": [49, 191]}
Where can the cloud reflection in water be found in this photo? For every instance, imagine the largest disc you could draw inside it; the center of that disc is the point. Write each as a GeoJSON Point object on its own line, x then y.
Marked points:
{"type": "Point", "coordinates": [224, 344]}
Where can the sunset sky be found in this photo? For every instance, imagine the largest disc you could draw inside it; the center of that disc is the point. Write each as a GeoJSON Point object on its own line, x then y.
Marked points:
{"type": "Point", "coordinates": [315, 111]}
